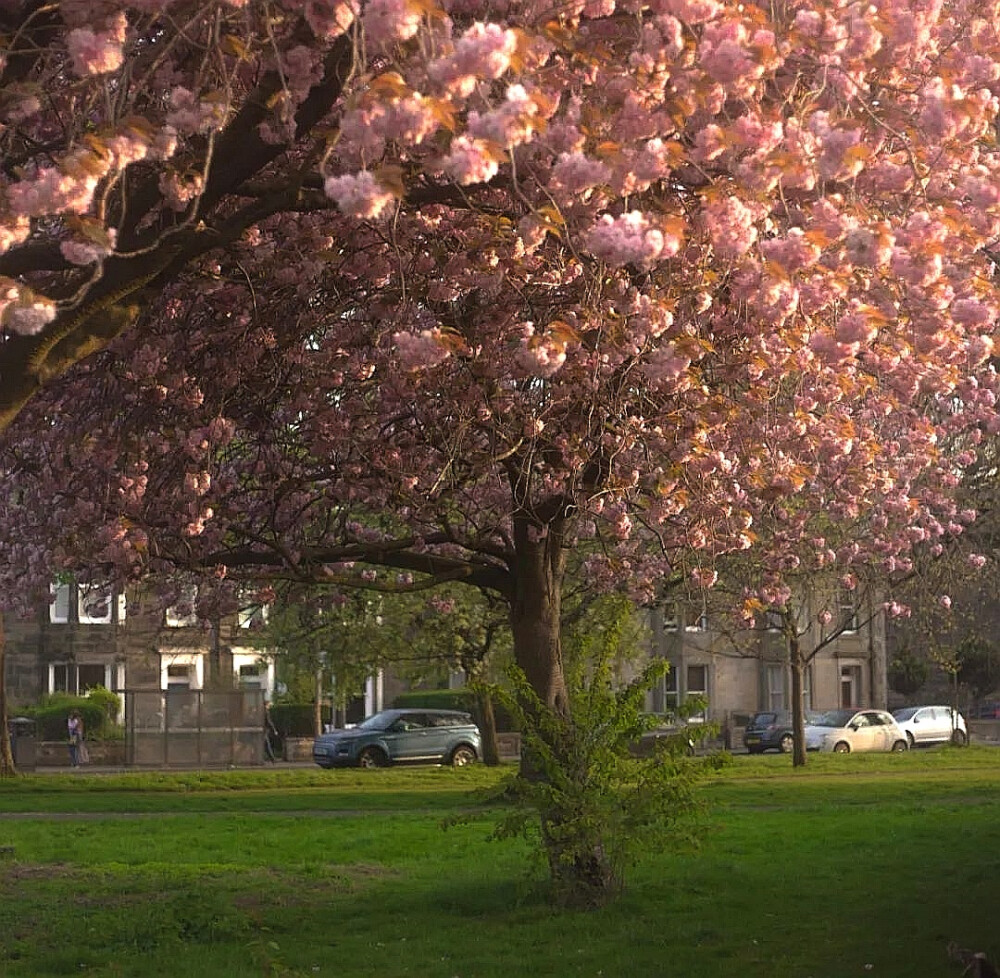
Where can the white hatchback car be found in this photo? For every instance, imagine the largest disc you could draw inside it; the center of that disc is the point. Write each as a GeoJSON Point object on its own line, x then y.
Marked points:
{"type": "Point", "coordinates": [932, 725]}
{"type": "Point", "coordinates": [843, 731]}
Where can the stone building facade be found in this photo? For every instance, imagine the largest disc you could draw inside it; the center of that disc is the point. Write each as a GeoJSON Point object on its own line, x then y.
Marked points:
{"type": "Point", "coordinates": [87, 637]}
{"type": "Point", "coordinates": [744, 671]}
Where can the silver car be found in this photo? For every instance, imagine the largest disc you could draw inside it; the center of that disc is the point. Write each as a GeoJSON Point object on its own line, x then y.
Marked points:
{"type": "Point", "coordinates": [932, 725]}
{"type": "Point", "coordinates": [843, 731]}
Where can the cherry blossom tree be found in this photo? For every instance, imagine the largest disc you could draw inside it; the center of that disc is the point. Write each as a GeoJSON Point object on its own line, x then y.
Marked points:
{"type": "Point", "coordinates": [513, 279]}
{"type": "Point", "coordinates": [807, 615]}
{"type": "Point", "coordinates": [857, 528]}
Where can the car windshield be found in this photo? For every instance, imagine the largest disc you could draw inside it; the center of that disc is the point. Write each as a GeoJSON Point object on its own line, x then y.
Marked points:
{"type": "Point", "coordinates": [905, 714]}
{"type": "Point", "coordinates": [377, 721]}
{"type": "Point", "coordinates": [832, 718]}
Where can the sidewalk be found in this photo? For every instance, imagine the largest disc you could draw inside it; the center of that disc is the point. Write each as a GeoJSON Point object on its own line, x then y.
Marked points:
{"type": "Point", "coordinates": [84, 769]}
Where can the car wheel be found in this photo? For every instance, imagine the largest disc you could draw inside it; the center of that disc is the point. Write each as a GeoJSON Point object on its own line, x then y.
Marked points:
{"type": "Point", "coordinates": [786, 743]}
{"type": "Point", "coordinates": [842, 747]}
{"type": "Point", "coordinates": [899, 746]}
{"type": "Point", "coordinates": [958, 738]}
{"type": "Point", "coordinates": [371, 757]}
{"type": "Point", "coordinates": [462, 756]}
{"type": "Point", "coordinates": [910, 740]}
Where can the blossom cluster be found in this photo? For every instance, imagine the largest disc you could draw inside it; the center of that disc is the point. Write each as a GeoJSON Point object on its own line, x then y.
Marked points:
{"type": "Point", "coordinates": [358, 195]}
{"type": "Point", "coordinates": [98, 52]}
{"type": "Point", "coordinates": [421, 350]}
{"type": "Point", "coordinates": [632, 239]}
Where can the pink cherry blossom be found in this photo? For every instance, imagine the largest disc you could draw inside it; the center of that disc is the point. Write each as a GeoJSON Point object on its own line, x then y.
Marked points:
{"type": "Point", "coordinates": [511, 123]}
{"type": "Point", "coordinates": [576, 172]}
{"type": "Point", "coordinates": [330, 18]}
{"type": "Point", "coordinates": [631, 239]}
{"type": "Point", "coordinates": [422, 350]}
{"type": "Point", "coordinates": [358, 195]}
{"type": "Point", "coordinates": [731, 226]}
{"type": "Point", "coordinates": [28, 316]}
{"type": "Point", "coordinates": [691, 11]}
{"type": "Point", "coordinates": [94, 53]}
{"type": "Point", "coordinates": [14, 232]}
{"type": "Point", "coordinates": [483, 51]}
{"type": "Point", "coordinates": [704, 577]}
{"type": "Point", "coordinates": [390, 21]}
{"type": "Point", "coordinates": [471, 161]}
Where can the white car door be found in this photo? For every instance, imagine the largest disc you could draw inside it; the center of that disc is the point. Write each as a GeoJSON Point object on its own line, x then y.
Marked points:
{"type": "Point", "coordinates": [949, 722]}
{"type": "Point", "coordinates": [864, 736]}
{"type": "Point", "coordinates": [883, 730]}
{"type": "Point", "coordinates": [890, 730]}
{"type": "Point", "coordinates": [926, 725]}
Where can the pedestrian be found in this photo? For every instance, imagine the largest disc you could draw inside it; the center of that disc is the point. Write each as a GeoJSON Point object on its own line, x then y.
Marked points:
{"type": "Point", "coordinates": [83, 754]}
{"type": "Point", "coordinates": [74, 727]}
{"type": "Point", "coordinates": [270, 730]}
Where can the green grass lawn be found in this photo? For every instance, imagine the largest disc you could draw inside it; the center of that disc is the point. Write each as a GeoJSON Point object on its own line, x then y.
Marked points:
{"type": "Point", "coordinates": [857, 865]}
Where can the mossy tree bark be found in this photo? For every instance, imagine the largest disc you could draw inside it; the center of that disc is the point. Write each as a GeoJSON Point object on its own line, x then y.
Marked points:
{"type": "Point", "coordinates": [7, 768]}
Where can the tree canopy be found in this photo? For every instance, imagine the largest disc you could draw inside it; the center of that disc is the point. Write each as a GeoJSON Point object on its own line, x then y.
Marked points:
{"type": "Point", "coordinates": [449, 289]}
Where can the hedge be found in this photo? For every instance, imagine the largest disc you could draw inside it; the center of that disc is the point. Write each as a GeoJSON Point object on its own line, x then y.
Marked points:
{"type": "Point", "coordinates": [296, 719]}
{"type": "Point", "coordinates": [51, 715]}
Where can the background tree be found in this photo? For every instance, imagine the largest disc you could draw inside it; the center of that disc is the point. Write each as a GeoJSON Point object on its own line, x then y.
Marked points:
{"type": "Point", "coordinates": [978, 664]}
{"type": "Point", "coordinates": [469, 630]}
{"type": "Point", "coordinates": [315, 641]}
{"type": "Point", "coordinates": [329, 640]}
{"type": "Point", "coordinates": [950, 600]}
{"type": "Point", "coordinates": [908, 672]}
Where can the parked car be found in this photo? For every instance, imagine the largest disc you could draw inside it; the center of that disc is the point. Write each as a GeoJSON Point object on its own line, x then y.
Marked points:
{"type": "Point", "coordinates": [843, 731]}
{"type": "Point", "coordinates": [402, 736]}
{"type": "Point", "coordinates": [771, 730]}
{"type": "Point", "coordinates": [990, 710]}
{"type": "Point", "coordinates": [932, 725]}
{"type": "Point", "coordinates": [672, 733]}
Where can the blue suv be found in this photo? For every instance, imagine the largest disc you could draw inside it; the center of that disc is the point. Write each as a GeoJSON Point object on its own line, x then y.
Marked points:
{"type": "Point", "coordinates": [402, 736]}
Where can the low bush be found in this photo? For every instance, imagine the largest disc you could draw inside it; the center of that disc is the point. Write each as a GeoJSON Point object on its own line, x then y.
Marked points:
{"type": "Point", "coordinates": [51, 714]}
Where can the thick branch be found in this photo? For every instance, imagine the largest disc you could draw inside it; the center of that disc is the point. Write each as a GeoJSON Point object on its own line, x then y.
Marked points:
{"type": "Point", "coordinates": [313, 565]}
{"type": "Point", "coordinates": [29, 361]}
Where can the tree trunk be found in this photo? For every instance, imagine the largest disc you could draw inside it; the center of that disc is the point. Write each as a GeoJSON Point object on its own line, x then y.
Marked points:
{"type": "Point", "coordinates": [488, 721]}
{"type": "Point", "coordinates": [581, 872]}
{"type": "Point", "coordinates": [581, 880]}
{"type": "Point", "coordinates": [878, 660]}
{"type": "Point", "coordinates": [798, 711]}
{"type": "Point", "coordinates": [220, 662]}
{"type": "Point", "coordinates": [7, 768]}
{"type": "Point", "coordinates": [535, 611]}
{"type": "Point", "coordinates": [318, 705]}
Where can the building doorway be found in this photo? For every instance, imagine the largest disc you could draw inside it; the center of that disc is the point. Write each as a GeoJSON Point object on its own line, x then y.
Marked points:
{"type": "Point", "coordinates": [850, 687]}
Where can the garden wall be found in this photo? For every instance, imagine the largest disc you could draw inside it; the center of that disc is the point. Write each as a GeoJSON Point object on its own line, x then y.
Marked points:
{"type": "Point", "coordinates": [103, 753]}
